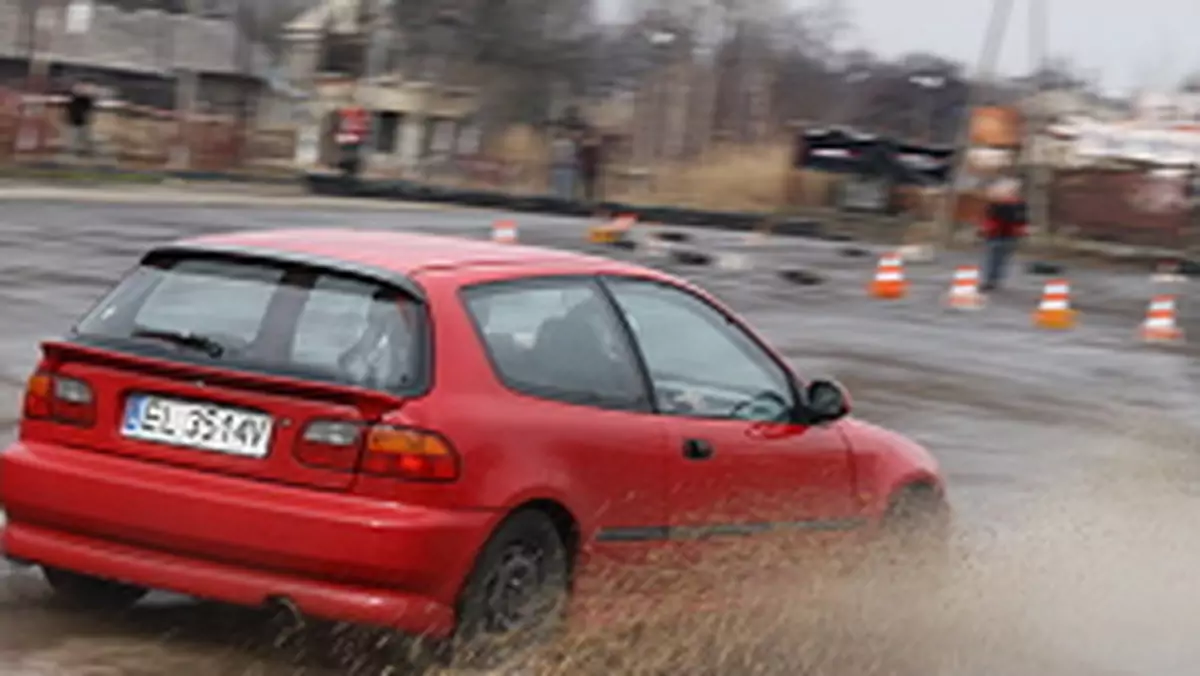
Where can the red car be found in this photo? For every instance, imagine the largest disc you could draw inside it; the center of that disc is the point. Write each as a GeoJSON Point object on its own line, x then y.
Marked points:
{"type": "Point", "coordinates": [419, 433]}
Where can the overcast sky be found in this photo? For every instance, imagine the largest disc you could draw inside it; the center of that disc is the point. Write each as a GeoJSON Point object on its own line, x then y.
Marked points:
{"type": "Point", "coordinates": [1127, 43]}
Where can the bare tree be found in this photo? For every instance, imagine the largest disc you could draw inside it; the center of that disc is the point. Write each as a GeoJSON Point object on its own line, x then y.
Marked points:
{"type": "Point", "coordinates": [919, 96]}
{"type": "Point", "coordinates": [261, 21]}
{"type": "Point", "coordinates": [520, 51]}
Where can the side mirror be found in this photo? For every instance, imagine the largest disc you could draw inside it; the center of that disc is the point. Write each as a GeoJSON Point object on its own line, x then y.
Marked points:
{"type": "Point", "coordinates": [826, 401]}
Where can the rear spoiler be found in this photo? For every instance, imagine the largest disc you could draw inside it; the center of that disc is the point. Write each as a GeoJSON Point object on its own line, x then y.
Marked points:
{"type": "Point", "coordinates": [374, 402]}
{"type": "Point", "coordinates": [369, 272]}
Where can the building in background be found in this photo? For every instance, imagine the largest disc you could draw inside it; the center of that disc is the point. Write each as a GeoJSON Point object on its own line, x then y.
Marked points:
{"type": "Point", "coordinates": [345, 52]}
{"type": "Point", "coordinates": [137, 56]}
{"type": "Point", "coordinates": [1061, 113]}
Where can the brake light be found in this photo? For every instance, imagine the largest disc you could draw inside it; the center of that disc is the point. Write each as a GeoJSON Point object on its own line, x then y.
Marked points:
{"type": "Point", "coordinates": [409, 454]}
{"type": "Point", "coordinates": [59, 399]}
{"type": "Point", "coordinates": [385, 451]}
{"type": "Point", "coordinates": [330, 444]}
{"type": "Point", "coordinates": [39, 395]}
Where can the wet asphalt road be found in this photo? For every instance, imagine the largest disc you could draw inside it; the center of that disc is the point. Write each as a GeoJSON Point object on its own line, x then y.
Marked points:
{"type": "Point", "coordinates": [1071, 455]}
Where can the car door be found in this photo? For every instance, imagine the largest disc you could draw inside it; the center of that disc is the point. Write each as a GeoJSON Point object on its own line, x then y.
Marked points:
{"type": "Point", "coordinates": [582, 410]}
{"type": "Point", "coordinates": [741, 465]}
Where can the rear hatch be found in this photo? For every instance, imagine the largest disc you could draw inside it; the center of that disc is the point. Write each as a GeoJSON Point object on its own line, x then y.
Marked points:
{"type": "Point", "coordinates": [250, 365]}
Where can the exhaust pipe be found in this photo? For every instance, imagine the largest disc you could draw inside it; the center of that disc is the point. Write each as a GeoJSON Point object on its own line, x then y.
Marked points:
{"type": "Point", "coordinates": [286, 609]}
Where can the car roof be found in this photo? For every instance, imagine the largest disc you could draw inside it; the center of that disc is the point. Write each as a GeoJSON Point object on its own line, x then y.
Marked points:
{"type": "Point", "coordinates": [402, 254]}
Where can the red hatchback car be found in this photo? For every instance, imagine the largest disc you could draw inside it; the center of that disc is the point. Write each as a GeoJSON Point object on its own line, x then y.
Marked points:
{"type": "Point", "coordinates": [418, 432]}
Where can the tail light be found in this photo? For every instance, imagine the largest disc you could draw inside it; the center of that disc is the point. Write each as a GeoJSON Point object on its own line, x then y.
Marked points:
{"type": "Point", "coordinates": [410, 454]}
{"type": "Point", "coordinates": [385, 451]}
{"type": "Point", "coordinates": [330, 444]}
{"type": "Point", "coordinates": [59, 399]}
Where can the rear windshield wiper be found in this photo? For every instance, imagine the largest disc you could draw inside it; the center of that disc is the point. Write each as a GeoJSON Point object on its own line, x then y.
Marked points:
{"type": "Point", "coordinates": [189, 340]}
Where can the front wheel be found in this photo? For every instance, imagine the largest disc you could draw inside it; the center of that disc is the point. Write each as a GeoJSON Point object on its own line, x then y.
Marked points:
{"type": "Point", "coordinates": [91, 593]}
{"type": "Point", "coordinates": [516, 595]}
{"type": "Point", "coordinates": [917, 532]}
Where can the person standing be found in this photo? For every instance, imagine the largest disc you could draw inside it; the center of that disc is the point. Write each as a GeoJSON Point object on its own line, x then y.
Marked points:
{"type": "Point", "coordinates": [81, 103]}
{"type": "Point", "coordinates": [354, 125]}
{"type": "Point", "coordinates": [1005, 222]}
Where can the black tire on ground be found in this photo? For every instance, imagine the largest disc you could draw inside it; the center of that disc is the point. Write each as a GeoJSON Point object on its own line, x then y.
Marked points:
{"type": "Point", "coordinates": [1044, 268]}
{"type": "Point", "coordinates": [686, 257]}
{"type": "Point", "coordinates": [801, 277]}
{"type": "Point", "coordinates": [837, 237]}
{"type": "Point", "coordinates": [91, 593]}
{"type": "Point", "coordinates": [673, 236]}
{"type": "Point", "coordinates": [516, 595]}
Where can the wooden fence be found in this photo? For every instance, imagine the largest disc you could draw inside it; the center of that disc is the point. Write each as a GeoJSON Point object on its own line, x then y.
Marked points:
{"type": "Point", "coordinates": [137, 137]}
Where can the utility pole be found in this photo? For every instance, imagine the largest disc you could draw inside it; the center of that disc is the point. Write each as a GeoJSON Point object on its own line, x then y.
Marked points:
{"type": "Point", "coordinates": [45, 18]}
{"type": "Point", "coordinates": [373, 19]}
{"type": "Point", "coordinates": [993, 41]}
{"type": "Point", "coordinates": [32, 9]}
{"type": "Point", "coordinates": [1037, 190]}
{"type": "Point", "coordinates": [242, 17]}
{"type": "Point", "coordinates": [42, 23]}
{"type": "Point", "coordinates": [309, 64]}
{"type": "Point", "coordinates": [186, 90]}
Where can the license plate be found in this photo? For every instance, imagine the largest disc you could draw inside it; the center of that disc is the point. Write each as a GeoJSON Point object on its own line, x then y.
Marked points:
{"type": "Point", "coordinates": [205, 427]}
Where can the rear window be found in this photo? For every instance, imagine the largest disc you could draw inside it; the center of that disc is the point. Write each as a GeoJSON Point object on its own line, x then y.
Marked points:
{"type": "Point", "coordinates": [267, 317]}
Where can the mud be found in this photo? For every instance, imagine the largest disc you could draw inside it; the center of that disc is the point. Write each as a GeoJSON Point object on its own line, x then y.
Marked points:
{"type": "Point", "coordinates": [1072, 459]}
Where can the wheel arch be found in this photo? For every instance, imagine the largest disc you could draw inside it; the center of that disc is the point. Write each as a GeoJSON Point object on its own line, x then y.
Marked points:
{"type": "Point", "coordinates": [909, 485]}
{"type": "Point", "coordinates": [920, 487]}
{"type": "Point", "coordinates": [565, 523]}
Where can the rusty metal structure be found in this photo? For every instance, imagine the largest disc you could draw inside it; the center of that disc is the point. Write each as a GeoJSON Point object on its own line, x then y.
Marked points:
{"type": "Point", "coordinates": [1130, 206]}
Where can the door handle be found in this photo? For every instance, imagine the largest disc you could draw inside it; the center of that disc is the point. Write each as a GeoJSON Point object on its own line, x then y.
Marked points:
{"type": "Point", "coordinates": [697, 449]}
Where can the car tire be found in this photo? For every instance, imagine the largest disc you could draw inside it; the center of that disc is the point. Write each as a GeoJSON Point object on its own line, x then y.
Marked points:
{"type": "Point", "coordinates": [516, 596]}
{"type": "Point", "coordinates": [918, 531]}
{"type": "Point", "coordinates": [91, 593]}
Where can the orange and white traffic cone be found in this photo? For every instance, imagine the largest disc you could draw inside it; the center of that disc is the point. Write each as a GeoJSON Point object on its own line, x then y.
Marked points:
{"type": "Point", "coordinates": [625, 230]}
{"type": "Point", "coordinates": [504, 232]}
{"type": "Point", "coordinates": [964, 290]}
{"type": "Point", "coordinates": [617, 230]}
{"type": "Point", "coordinates": [1054, 311]}
{"type": "Point", "coordinates": [1160, 325]}
{"type": "Point", "coordinates": [889, 282]}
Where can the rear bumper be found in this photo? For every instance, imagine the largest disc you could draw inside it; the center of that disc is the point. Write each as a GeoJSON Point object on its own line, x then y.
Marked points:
{"type": "Point", "coordinates": [335, 556]}
{"type": "Point", "coordinates": [230, 584]}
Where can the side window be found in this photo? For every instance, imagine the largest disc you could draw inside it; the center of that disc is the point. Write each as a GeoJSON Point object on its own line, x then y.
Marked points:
{"type": "Point", "coordinates": [701, 365]}
{"type": "Point", "coordinates": [557, 339]}
{"type": "Point", "coordinates": [358, 332]}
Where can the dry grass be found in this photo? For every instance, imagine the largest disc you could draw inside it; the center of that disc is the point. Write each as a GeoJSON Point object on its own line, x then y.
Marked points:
{"type": "Point", "coordinates": [733, 617]}
{"type": "Point", "coordinates": [728, 177]}
{"type": "Point", "coordinates": [732, 177]}
{"type": "Point", "coordinates": [1096, 576]}
{"type": "Point", "coordinates": [521, 145]}
{"type": "Point", "coordinates": [1093, 577]}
